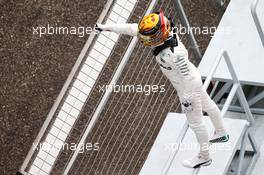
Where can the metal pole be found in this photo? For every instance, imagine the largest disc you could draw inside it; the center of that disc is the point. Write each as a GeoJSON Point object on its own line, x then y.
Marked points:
{"type": "Point", "coordinates": [253, 142]}
{"type": "Point", "coordinates": [241, 95]}
{"type": "Point", "coordinates": [212, 71]}
{"type": "Point", "coordinates": [255, 99]}
{"type": "Point", "coordinates": [243, 102]}
{"type": "Point", "coordinates": [256, 154]}
{"type": "Point", "coordinates": [186, 24]}
{"type": "Point", "coordinates": [230, 67]}
{"type": "Point", "coordinates": [214, 88]}
{"type": "Point", "coordinates": [222, 91]}
{"type": "Point", "coordinates": [229, 99]}
{"type": "Point", "coordinates": [241, 153]}
{"type": "Point", "coordinates": [220, 2]}
{"type": "Point", "coordinates": [241, 109]}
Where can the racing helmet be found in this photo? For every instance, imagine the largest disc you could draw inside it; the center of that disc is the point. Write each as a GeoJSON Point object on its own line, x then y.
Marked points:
{"type": "Point", "coordinates": [154, 29]}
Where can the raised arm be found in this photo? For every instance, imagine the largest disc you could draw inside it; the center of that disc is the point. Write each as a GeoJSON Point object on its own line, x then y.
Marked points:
{"type": "Point", "coordinates": [127, 29]}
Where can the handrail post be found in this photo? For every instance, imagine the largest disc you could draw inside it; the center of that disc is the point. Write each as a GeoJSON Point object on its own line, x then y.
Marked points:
{"type": "Point", "coordinates": [230, 67]}
{"type": "Point", "coordinates": [236, 87]}
{"type": "Point", "coordinates": [229, 99]}
{"type": "Point", "coordinates": [213, 69]}
{"type": "Point", "coordinates": [186, 24]}
{"type": "Point", "coordinates": [240, 93]}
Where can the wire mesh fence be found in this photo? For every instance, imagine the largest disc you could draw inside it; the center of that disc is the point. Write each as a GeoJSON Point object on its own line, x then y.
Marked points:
{"type": "Point", "coordinates": [129, 123]}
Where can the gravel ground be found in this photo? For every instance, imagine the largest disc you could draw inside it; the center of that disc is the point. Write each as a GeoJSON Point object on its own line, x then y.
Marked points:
{"type": "Point", "coordinates": [34, 70]}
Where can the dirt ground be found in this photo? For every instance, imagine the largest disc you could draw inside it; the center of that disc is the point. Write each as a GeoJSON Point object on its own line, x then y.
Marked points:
{"type": "Point", "coordinates": [33, 71]}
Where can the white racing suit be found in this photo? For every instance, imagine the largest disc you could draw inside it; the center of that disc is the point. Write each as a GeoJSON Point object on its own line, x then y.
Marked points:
{"type": "Point", "coordinates": [186, 79]}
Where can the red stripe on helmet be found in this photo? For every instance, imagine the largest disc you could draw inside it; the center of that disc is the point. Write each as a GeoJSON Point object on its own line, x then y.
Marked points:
{"type": "Point", "coordinates": [162, 18]}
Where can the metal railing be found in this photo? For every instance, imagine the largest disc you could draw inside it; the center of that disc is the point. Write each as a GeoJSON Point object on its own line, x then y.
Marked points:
{"type": "Point", "coordinates": [186, 24]}
{"type": "Point", "coordinates": [257, 21]}
{"type": "Point", "coordinates": [235, 88]}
